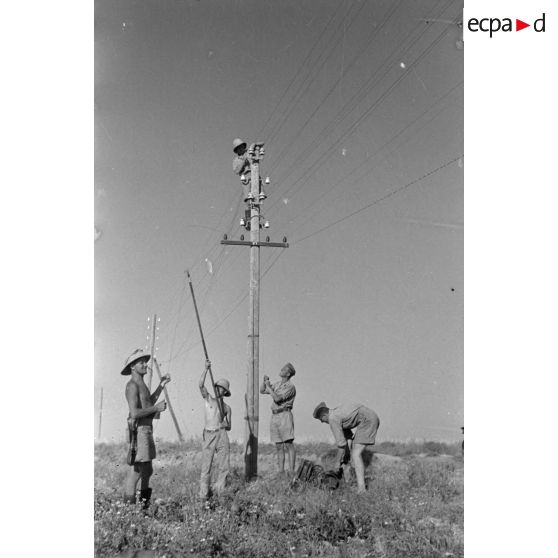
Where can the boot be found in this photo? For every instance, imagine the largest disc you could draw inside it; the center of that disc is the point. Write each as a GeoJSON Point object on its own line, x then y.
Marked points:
{"type": "Point", "coordinates": [129, 499]}
{"type": "Point", "coordinates": [145, 496]}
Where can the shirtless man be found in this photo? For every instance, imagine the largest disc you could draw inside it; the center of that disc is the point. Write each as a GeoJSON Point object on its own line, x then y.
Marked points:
{"type": "Point", "coordinates": [143, 406]}
{"type": "Point", "coordinates": [281, 427]}
{"type": "Point", "coordinates": [216, 450]}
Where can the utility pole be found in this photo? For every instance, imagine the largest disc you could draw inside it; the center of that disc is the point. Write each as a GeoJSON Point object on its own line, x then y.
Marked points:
{"type": "Point", "coordinates": [152, 352]}
{"type": "Point", "coordinates": [253, 224]}
{"type": "Point", "coordinates": [100, 416]}
{"type": "Point", "coordinates": [171, 410]}
{"type": "Point", "coordinates": [155, 364]}
{"type": "Point", "coordinates": [252, 399]}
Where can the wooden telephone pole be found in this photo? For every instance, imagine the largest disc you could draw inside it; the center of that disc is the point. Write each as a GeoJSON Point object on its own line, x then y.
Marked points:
{"type": "Point", "coordinates": [255, 154]}
{"type": "Point", "coordinates": [252, 393]}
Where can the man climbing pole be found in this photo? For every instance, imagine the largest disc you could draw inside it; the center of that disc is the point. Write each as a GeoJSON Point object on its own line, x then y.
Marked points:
{"type": "Point", "coordinates": [241, 167]}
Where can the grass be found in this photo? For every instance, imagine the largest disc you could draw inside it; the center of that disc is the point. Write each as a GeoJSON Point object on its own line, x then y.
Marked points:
{"type": "Point", "coordinates": [413, 508]}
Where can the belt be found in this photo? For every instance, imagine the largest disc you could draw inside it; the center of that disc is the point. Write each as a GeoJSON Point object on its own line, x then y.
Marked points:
{"type": "Point", "coordinates": [213, 431]}
{"type": "Point", "coordinates": [148, 426]}
{"type": "Point", "coordinates": [277, 411]}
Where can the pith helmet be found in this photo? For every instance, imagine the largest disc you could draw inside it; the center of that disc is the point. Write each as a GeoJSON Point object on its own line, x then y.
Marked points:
{"type": "Point", "coordinates": [237, 143]}
{"type": "Point", "coordinates": [134, 357]}
{"type": "Point", "coordinates": [225, 385]}
{"type": "Point", "coordinates": [321, 406]}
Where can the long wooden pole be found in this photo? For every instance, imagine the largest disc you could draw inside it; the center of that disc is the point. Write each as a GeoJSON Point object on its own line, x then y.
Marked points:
{"type": "Point", "coordinates": [100, 416]}
{"type": "Point", "coordinates": [153, 336]}
{"type": "Point", "coordinates": [218, 398]}
{"type": "Point", "coordinates": [252, 393]}
{"type": "Point", "coordinates": [171, 410]}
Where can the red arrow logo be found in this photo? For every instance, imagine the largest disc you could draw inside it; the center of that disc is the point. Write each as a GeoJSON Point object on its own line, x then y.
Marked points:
{"type": "Point", "coordinates": [519, 25]}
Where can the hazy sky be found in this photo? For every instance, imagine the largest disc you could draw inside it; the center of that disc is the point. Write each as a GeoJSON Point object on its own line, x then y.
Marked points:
{"type": "Point", "coordinates": [355, 100]}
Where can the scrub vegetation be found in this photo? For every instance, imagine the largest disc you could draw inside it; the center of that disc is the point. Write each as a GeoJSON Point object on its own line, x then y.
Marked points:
{"type": "Point", "coordinates": [413, 507]}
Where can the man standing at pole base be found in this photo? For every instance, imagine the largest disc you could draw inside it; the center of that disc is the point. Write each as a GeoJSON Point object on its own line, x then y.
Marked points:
{"type": "Point", "coordinates": [216, 450]}
{"type": "Point", "coordinates": [281, 426]}
{"type": "Point", "coordinates": [143, 407]}
{"type": "Point", "coordinates": [342, 420]}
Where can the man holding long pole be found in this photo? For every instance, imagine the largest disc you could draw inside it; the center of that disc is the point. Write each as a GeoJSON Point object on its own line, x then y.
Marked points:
{"type": "Point", "coordinates": [217, 420]}
{"type": "Point", "coordinates": [216, 450]}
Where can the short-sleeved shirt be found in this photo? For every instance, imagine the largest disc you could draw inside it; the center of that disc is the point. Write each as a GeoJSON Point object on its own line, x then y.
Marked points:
{"type": "Point", "coordinates": [287, 393]}
{"type": "Point", "coordinates": [241, 164]}
{"type": "Point", "coordinates": [344, 418]}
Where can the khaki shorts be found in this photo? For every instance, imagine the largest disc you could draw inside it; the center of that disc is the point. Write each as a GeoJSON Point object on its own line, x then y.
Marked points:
{"type": "Point", "coordinates": [281, 427]}
{"type": "Point", "coordinates": [146, 444]}
{"type": "Point", "coordinates": [367, 427]}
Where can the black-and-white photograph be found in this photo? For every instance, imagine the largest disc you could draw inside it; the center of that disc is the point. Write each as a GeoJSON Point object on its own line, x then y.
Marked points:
{"type": "Point", "coordinates": [279, 278]}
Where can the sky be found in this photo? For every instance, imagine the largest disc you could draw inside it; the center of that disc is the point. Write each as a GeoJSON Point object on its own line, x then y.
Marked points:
{"type": "Point", "coordinates": [360, 106]}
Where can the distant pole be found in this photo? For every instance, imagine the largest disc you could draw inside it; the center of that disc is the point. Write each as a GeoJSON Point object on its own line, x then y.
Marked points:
{"type": "Point", "coordinates": [153, 335]}
{"type": "Point", "coordinates": [100, 416]}
{"type": "Point", "coordinates": [171, 410]}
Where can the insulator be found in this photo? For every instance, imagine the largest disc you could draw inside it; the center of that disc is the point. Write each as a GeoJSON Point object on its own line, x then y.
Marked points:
{"type": "Point", "coordinates": [241, 237]}
{"type": "Point", "coordinates": [267, 238]}
{"type": "Point", "coordinates": [242, 177]}
{"type": "Point", "coordinates": [267, 180]}
{"type": "Point", "coordinates": [266, 225]}
{"type": "Point", "coordinates": [225, 236]}
{"type": "Point", "coordinates": [242, 223]}
{"type": "Point", "coordinates": [284, 239]}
